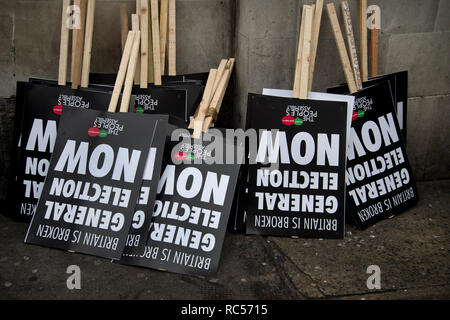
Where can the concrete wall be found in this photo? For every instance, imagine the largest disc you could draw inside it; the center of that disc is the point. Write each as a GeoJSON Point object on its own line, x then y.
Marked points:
{"type": "Point", "coordinates": [262, 35]}
{"type": "Point", "coordinates": [415, 37]}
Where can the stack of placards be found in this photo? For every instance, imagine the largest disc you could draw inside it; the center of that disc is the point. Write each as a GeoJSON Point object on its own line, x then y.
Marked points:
{"type": "Point", "coordinates": [96, 172]}
{"type": "Point", "coordinates": [296, 178]}
{"type": "Point", "coordinates": [39, 105]}
{"type": "Point", "coordinates": [125, 186]}
{"type": "Point", "coordinates": [192, 207]}
{"type": "Point", "coordinates": [294, 195]}
{"type": "Point", "coordinates": [380, 182]}
{"type": "Point", "coordinates": [155, 84]}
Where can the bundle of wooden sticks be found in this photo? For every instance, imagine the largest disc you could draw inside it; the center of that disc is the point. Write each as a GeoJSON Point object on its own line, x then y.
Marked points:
{"type": "Point", "coordinates": [308, 41]}
{"type": "Point", "coordinates": [157, 26]}
{"type": "Point", "coordinates": [206, 114]}
{"type": "Point", "coordinates": [354, 74]}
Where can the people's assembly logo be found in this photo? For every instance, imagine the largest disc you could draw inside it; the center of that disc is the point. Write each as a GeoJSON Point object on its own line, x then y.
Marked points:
{"type": "Point", "coordinates": [65, 100]}
{"type": "Point", "coordinates": [96, 132]}
{"type": "Point", "coordinates": [181, 156]}
{"type": "Point", "coordinates": [57, 109]}
{"type": "Point", "coordinates": [190, 152]}
{"type": "Point", "coordinates": [290, 121]}
{"type": "Point", "coordinates": [358, 114]}
{"type": "Point", "coordinates": [104, 127]}
{"type": "Point", "coordinates": [298, 115]}
{"type": "Point", "coordinates": [144, 103]}
{"type": "Point", "coordinates": [362, 105]}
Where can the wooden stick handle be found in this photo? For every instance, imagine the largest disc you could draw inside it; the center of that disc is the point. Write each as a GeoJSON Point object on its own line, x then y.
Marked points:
{"type": "Point", "coordinates": [135, 26]}
{"type": "Point", "coordinates": [156, 43]}
{"type": "Point", "coordinates": [197, 123]}
{"type": "Point", "coordinates": [122, 71]}
{"type": "Point", "coordinates": [128, 87]}
{"type": "Point", "coordinates": [77, 45]}
{"type": "Point", "coordinates": [220, 71]}
{"type": "Point", "coordinates": [88, 44]}
{"type": "Point", "coordinates": [315, 40]}
{"type": "Point", "coordinates": [64, 45]}
{"type": "Point", "coordinates": [341, 47]}
{"type": "Point", "coordinates": [207, 95]}
{"type": "Point", "coordinates": [306, 54]}
{"type": "Point", "coordinates": [351, 43]}
{"type": "Point", "coordinates": [144, 43]}
{"type": "Point", "coordinates": [374, 49]}
{"type": "Point", "coordinates": [217, 99]}
{"type": "Point", "coordinates": [298, 66]}
{"type": "Point", "coordinates": [363, 42]}
{"type": "Point", "coordinates": [151, 72]}
{"type": "Point", "coordinates": [163, 30]}
{"type": "Point", "coordinates": [172, 38]}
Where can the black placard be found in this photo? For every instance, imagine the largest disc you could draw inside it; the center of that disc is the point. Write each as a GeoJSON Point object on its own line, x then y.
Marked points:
{"type": "Point", "coordinates": [42, 105]}
{"type": "Point", "coordinates": [202, 77]}
{"type": "Point", "coordinates": [194, 92]}
{"type": "Point", "coordinates": [301, 192]}
{"type": "Point", "coordinates": [399, 85]}
{"type": "Point", "coordinates": [139, 230]}
{"type": "Point", "coordinates": [380, 181]}
{"type": "Point", "coordinates": [93, 183]}
{"type": "Point", "coordinates": [52, 82]}
{"type": "Point", "coordinates": [157, 100]}
{"type": "Point", "coordinates": [192, 207]}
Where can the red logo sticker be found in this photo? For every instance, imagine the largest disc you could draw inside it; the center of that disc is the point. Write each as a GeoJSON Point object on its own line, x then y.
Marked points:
{"type": "Point", "coordinates": [354, 116]}
{"type": "Point", "coordinates": [180, 156]}
{"type": "Point", "coordinates": [57, 109]}
{"type": "Point", "coordinates": [94, 131]}
{"type": "Point", "coordinates": [288, 121]}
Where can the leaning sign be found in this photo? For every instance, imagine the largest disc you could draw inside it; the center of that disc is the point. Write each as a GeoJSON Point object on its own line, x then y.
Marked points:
{"type": "Point", "coordinates": [380, 181]}
{"type": "Point", "coordinates": [297, 178]}
{"type": "Point", "coordinates": [193, 203]}
{"type": "Point", "coordinates": [89, 196]}
{"type": "Point", "coordinates": [42, 107]}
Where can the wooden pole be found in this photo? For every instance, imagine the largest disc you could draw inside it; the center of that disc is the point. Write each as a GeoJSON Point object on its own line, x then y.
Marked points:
{"type": "Point", "coordinates": [172, 49]}
{"type": "Point", "coordinates": [122, 71]}
{"type": "Point", "coordinates": [220, 71]}
{"type": "Point", "coordinates": [151, 72]}
{"type": "Point", "coordinates": [374, 48]}
{"type": "Point", "coordinates": [197, 123]}
{"type": "Point", "coordinates": [144, 43]}
{"type": "Point", "coordinates": [351, 44]}
{"type": "Point", "coordinates": [156, 43]}
{"type": "Point", "coordinates": [88, 44]}
{"type": "Point", "coordinates": [77, 45]}
{"type": "Point", "coordinates": [306, 54]}
{"type": "Point", "coordinates": [298, 66]}
{"type": "Point", "coordinates": [64, 45]}
{"type": "Point", "coordinates": [125, 103]}
{"type": "Point", "coordinates": [217, 99]}
{"type": "Point", "coordinates": [163, 30]}
{"type": "Point", "coordinates": [341, 48]}
{"type": "Point", "coordinates": [135, 26]}
{"type": "Point", "coordinates": [363, 32]}
{"type": "Point", "coordinates": [315, 40]}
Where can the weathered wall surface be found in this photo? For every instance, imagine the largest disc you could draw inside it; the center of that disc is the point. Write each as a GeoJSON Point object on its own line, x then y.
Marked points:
{"type": "Point", "coordinates": [262, 35]}
{"type": "Point", "coordinates": [415, 36]}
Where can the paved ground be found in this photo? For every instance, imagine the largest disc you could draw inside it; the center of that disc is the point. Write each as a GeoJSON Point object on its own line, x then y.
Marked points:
{"type": "Point", "coordinates": [412, 251]}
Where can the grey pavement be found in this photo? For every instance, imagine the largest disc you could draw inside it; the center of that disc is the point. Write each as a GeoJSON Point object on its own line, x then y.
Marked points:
{"type": "Point", "coordinates": [411, 250]}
